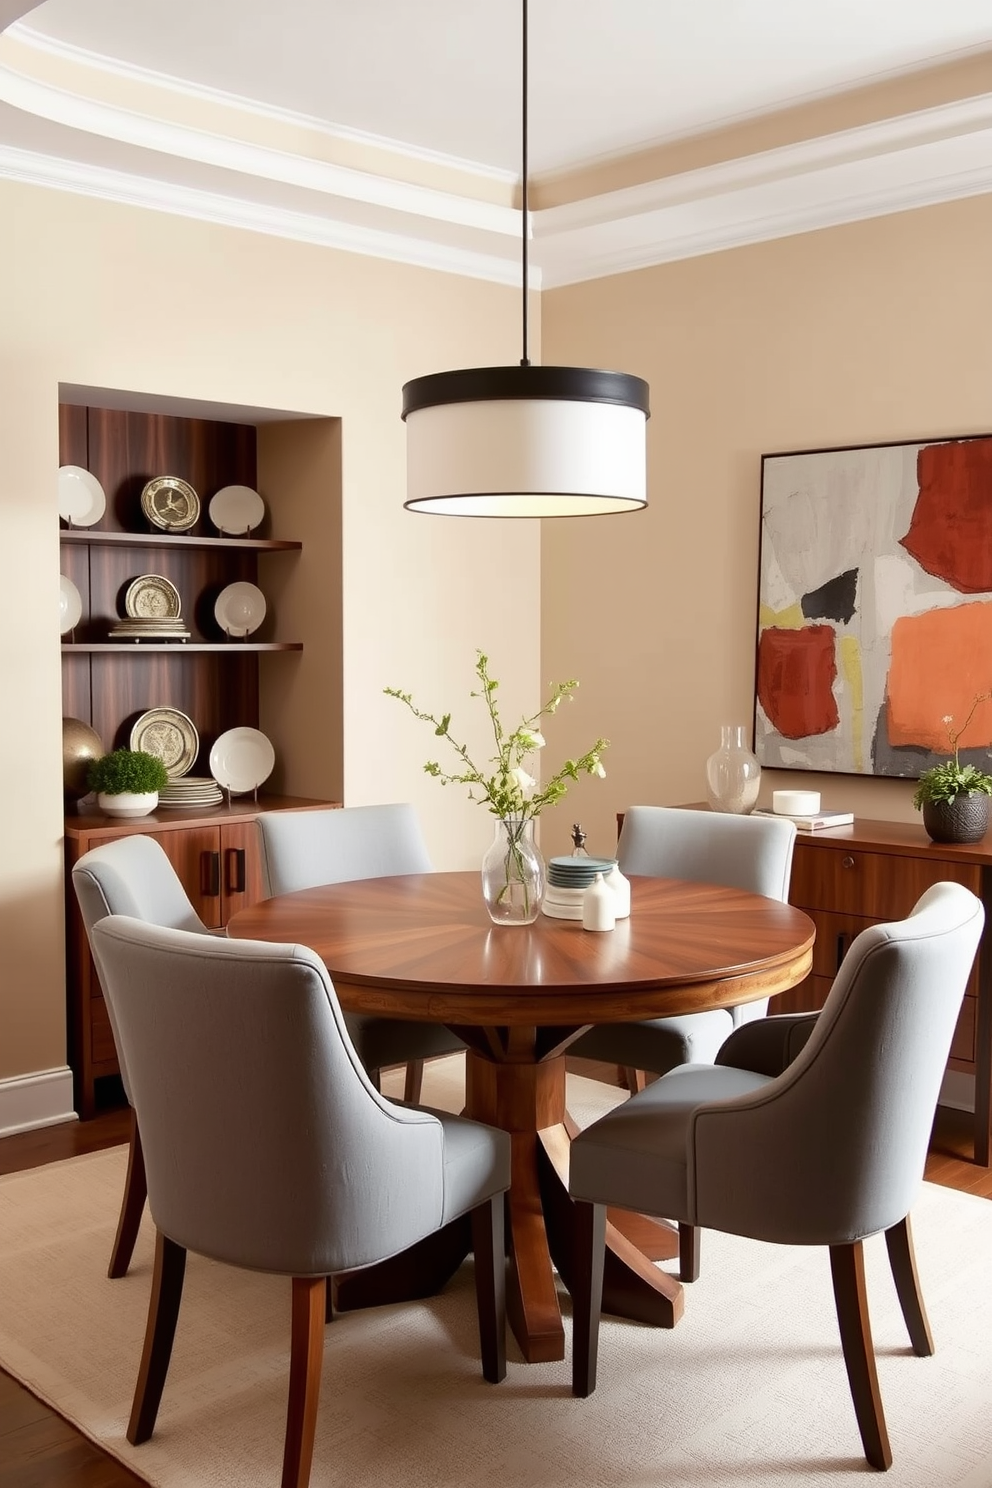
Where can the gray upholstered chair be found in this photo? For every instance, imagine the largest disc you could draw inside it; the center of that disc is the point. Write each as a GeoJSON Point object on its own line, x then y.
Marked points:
{"type": "Point", "coordinates": [301, 849]}
{"type": "Point", "coordinates": [268, 1147]}
{"type": "Point", "coordinates": [827, 1152]}
{"type": "Point", "coordinates": [741, 852]}
{"type": "Point", "coordinates": [131, 876]}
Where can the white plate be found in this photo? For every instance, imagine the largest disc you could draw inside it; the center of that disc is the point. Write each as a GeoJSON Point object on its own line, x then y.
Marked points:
{"type": "Point", "coordinates": [70, 605]}
{"type": "Point", "coordinates": [241, 760]}
{"type": "Point", "coordinates": [240, 609]}
{"type": "Point", "coordinates": [236, 510]}
{"type": "Point", "coordinates": [81, 496]}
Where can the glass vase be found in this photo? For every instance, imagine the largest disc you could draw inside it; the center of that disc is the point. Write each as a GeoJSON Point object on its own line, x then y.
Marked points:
{"type": "Point", "coordinates": [733, 774]}
{"type": "Point", "coordinates": [513, 879]}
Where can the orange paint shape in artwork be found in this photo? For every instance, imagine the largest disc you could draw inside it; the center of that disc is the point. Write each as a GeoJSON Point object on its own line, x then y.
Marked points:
{"type": "Point", "coordinates": [796, 673]}
{"type": "Point", "coordinates": [941, 660]}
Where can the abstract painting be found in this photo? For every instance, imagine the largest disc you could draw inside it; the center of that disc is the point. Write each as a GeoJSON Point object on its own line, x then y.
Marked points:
{"type": "Point", "coordinates": [875, 607]}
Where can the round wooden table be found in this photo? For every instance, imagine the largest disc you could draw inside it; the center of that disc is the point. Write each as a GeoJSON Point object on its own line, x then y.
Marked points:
{"type": "Point", "coordinates": [423, 947]}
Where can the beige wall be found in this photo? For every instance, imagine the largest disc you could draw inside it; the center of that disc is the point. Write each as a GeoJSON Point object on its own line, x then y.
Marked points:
{"type": "Point", "coordinates": [97, 294]}
{"type": "Point", "coordinates": [872, 332]}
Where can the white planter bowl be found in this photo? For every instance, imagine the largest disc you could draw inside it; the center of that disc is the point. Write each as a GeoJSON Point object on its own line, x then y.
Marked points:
{"type": "Point", "coordinates": [128, 803]}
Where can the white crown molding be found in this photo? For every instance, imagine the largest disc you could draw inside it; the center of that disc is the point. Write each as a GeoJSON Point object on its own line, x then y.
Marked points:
{"type": "Point", "coordinates": [31, 1101]}
{"type": "Point", "coordinates": [95, 62]}
{"type": "Point", "coordinates": [90, 116]}
{"type": "Point", "coordinates": [36, 169]}
{"type": "Point", "coordinates": [894, 165]}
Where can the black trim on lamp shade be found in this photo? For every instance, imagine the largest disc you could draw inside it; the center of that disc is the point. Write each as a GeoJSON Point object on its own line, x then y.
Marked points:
{"type": "Point", "coordinates": [495, 384]}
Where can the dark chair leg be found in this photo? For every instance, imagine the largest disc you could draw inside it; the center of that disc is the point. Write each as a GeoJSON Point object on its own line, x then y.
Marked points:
{"type": "Point", "coordinates": [132, 1205]}
{"type": "Point", "coordinates": [688, 1252]}
{"type": "Point", "coordinates": [587, 1294]}
{"type": "Point", "coordinates": [160, 1330]}
{"type": "Point", "coordinates": [902, 1259]}
{"type": "Point", "coordinates": [634, 1079]}
{"type": "Point", "coordinates": [414, 1082]}
{"type": "Point", "coordinates": [306, 1359]}
{"type": "Point", "coordinates": [489, 1245]}
{"type": "Point", "coordinates": [847, 1266]}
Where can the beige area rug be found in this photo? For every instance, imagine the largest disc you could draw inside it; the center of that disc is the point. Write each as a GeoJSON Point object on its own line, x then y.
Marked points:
{"type": "Point", "coordinates": [749, 1388]}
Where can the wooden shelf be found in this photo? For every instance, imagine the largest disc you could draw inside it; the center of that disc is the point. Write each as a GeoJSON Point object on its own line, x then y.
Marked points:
{"type": "Point", "coordinates": [92, 538]}
{"type": "Point", "coordinates": [176, 648]}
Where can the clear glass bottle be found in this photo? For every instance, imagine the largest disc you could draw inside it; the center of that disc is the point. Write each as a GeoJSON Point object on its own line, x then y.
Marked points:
{"type": "Point", "coordinates": [733, 774]}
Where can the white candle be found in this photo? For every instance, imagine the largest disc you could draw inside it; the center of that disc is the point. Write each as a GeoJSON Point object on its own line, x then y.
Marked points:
{"type": "Point", "coordinates": [796, 802]}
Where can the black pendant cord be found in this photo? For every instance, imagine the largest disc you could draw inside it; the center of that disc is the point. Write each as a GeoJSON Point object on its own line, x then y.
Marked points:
{"type": "Point", "coordinates": [525, 359]}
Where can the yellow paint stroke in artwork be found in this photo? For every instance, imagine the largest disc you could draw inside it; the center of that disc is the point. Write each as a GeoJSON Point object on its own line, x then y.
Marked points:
{"type": "Point", "coordinates": [791, 618]}
{"type": "Point", "coordinates": [850, 669]}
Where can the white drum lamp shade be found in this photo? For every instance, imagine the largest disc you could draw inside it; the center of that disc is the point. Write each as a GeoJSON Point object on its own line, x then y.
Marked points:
{"type": "Point", "coordinates": [526, 442]}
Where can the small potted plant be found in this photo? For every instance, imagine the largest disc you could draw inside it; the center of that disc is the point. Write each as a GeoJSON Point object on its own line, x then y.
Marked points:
{"type": "Point", "coordinates": [955, 798]}
{"type": "Point", "coordinates": [127, 782]}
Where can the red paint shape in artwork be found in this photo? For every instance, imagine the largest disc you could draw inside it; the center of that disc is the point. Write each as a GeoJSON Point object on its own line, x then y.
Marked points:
{"type": "Point", "coordinates": [796, 673]}
{"type": "Point", "coordinates": [950, 534]}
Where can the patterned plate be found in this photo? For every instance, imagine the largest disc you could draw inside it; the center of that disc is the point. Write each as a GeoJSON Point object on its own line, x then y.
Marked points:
{"type": "Point", "coordinates": [151, 597]}
{"type": "Point", "coordinates": [170, 736]}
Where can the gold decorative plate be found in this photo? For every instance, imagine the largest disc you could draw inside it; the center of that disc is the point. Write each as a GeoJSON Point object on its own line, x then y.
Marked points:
{"type": "Point", "coordinates": [151, 597]}
{"type": "Point", "coordinates": [170, 736]}
{"type": "Point", "coordinates": [170, 503]}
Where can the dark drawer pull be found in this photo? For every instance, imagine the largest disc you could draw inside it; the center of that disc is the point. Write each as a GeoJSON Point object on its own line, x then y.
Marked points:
{"type": "Point", "coordinates": [210, 874]}
{"type": "Point", "coordinates": [847, 862]}
{"type": "Point", "coordinates": [236, 873]}
{"type": "Point", "coordinates": [843, 946]}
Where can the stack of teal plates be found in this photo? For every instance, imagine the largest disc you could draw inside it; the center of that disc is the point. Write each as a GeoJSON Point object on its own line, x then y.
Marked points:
{"type": "Point", "coordinates": [568, 879]}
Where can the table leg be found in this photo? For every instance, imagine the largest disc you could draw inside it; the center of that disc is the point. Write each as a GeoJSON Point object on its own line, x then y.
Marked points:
{"type": "Point", "coordinates": [521, 1098]}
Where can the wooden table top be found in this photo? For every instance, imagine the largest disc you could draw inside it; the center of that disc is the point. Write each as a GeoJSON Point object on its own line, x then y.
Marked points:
{"type": "Point", "coordinates": [423, 946]}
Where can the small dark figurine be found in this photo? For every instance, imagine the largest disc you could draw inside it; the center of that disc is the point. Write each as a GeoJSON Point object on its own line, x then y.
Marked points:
{"type": "Point", "coordinates": [579, 842]}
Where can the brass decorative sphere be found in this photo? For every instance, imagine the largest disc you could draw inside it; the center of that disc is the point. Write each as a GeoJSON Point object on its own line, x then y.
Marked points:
{"type": "Point", "coordinates": [81, 745]}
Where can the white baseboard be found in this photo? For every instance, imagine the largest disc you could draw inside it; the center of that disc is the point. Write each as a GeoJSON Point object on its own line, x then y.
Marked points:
{"type": "Point", "coordinates": [957, 1090]}
{"type": "Point", "coordinates": [41, 1099]}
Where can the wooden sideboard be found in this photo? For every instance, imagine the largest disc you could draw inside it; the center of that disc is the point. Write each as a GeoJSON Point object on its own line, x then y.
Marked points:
{"type": "Point", "coordinates": [216, 855]}
{"type": "Point", "coordinates": [847, 878]}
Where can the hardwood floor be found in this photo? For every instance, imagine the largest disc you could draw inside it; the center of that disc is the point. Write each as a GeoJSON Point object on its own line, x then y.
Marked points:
{"type": "Point", "coordinates": [40, 1450]}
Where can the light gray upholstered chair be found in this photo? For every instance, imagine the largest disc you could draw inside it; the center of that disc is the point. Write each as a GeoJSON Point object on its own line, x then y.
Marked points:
{"type": "Point", "coordinates": [131, 876]}
{"type": "Point", "coordinates": [268, 1147]}
{"type": "Point", "coordinates": [301, 849]}
{"type": "Point", "coordinates": [826, 1152]}
{"type": "Point", "coordinates": [753, 853]}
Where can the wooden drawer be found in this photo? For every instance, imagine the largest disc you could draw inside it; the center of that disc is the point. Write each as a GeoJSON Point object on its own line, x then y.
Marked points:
{"type": "Point", "coordinates": [963, 1042]}
{"type": "Point", "coordinates": [877, 886]}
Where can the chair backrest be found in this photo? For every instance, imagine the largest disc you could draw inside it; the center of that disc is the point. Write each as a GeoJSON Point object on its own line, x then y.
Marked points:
{"type": "Point", "coordinates": [265, 1144]}
{"type": "Point", "coordinates": [131, 876]}
{"type": "Point", "coordinates": [834, 1148]}
{"type": "Point", "coordinates": [300, 849]}
{"type": "Point", "coordinates": [753, 853]}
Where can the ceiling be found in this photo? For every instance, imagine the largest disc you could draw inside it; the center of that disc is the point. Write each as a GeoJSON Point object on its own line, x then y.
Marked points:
{"type": "Point", "coordinates": [393, 128]}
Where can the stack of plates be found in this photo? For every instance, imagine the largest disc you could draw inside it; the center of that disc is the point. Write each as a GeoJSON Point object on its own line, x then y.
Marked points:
{"type": "Point", "coordinates": [189, 792]}
{"type": "Point", "coordinates": [150, 628]}
{"type": "Point", "coordinates": [568, 879]}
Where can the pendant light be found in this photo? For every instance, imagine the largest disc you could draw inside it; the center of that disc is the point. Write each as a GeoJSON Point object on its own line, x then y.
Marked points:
{"type": "Point", "coordinates": [526, 441]}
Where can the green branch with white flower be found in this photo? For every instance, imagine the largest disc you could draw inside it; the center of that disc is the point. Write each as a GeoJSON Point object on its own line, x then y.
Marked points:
{"type": "Point", "coordinates": [509, 790]}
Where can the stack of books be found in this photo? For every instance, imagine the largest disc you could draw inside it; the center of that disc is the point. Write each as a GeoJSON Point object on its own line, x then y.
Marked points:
{"type": "Point", "coordinates": [812, 823]}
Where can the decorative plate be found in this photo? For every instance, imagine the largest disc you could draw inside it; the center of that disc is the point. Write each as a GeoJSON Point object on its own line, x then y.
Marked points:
{"type": "Point", "coordinates": [81, 497]}
{"type": "Point", "coordinates": [170, 503]}
{"type": "Point", "coordinates": [151, 597]}
{"type": "Point", "coordinates": [170, 736]}
{"type": "Point", "coordinates": [241, 760]}
{"type": "Point", "coordinates": [70, 605]}
{"type": "Point", "coordinates": [236, 510]}
{"type": "Point", "coordinates": [240, 609]}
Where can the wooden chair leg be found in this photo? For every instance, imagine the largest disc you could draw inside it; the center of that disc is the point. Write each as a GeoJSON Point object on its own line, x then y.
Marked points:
{"type": "Point", "coordinates": [306, 1361]}
{"type": "Point", "coordinates": [587, 1294]}
{"type": "Point", "coordinates": [902, 1259]}
{"type": "Point", "coordinates": [132, 1205]}
{"type": "Point", "coordinates": [160, 1330]}
{"type": "Point", "coordinates": [414, 1083]}
{"type": "Point", "coordinates": [489, 1245]}
{"type": "Point", "coordinates": [634, 1079]}
{"type": "Point", "coordinates": [847, 1266]}
{"type": "Point", "coordinates": [688, 1252]}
